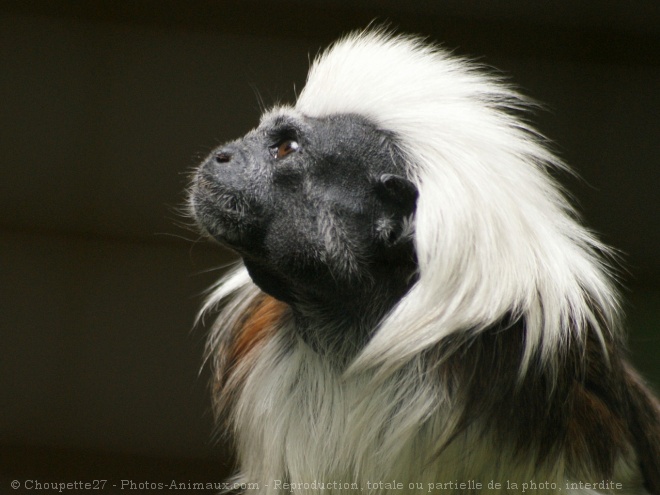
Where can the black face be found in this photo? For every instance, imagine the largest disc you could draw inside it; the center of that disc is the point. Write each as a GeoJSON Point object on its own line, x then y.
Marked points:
{"type": "Point", "coordinates": [319, 209]}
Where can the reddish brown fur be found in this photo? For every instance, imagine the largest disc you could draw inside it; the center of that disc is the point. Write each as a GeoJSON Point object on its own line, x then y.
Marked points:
{"type": "Point", "coordinates": [261, 320]}
{"type": "Point", "coordinates": [644, 425]}
{"type": "Point", "coordinates": [594, 431]}
{"type": "Point", "coordinates": [257, 323]}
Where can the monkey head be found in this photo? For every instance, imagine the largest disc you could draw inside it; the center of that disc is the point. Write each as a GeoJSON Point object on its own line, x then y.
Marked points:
{"type": "Point", "coordinates": [442, 313]}
{"type": "Point", "coordinates": [319, 209]}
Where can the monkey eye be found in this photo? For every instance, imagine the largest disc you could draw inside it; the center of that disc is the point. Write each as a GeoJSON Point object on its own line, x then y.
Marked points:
{"type": "Point", "coordinates": [284, 149]}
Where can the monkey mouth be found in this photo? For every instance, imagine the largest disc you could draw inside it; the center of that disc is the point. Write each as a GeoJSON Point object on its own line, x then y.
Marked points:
{"type": "Point", "coordinates": [221, 214]}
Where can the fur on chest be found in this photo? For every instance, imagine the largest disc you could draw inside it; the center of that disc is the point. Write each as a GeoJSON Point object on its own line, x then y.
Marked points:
{"type": "Point", "coordinates": [299, 421]}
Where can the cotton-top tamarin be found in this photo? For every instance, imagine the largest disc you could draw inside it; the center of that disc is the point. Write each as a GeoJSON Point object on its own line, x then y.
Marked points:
{"type": "Point", "coordinates": [418, 307]}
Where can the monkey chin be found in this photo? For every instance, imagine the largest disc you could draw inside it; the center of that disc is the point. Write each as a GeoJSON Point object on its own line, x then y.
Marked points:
{"type": "Point", "coordinates": [219, 213]}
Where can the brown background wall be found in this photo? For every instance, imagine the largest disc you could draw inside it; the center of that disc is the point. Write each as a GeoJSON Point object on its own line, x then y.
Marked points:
{"type": "Point", "coordinates": [106, 106]}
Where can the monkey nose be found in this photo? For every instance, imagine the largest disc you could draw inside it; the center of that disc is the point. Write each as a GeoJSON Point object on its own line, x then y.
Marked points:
{"type": "Point", "coordinates": [223, 156]}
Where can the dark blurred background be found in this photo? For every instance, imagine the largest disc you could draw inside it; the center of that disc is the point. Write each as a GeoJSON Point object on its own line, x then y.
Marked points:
{"type": "Point", "coordinates": [105, 107]}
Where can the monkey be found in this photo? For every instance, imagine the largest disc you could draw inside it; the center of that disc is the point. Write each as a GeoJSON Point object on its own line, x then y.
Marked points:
{"type": "Point", "coordinates": [417, 303]}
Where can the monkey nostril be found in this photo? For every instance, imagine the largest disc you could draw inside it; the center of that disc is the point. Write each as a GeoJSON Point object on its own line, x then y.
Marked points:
{"type": "Point", "coordinates": [223, 157]}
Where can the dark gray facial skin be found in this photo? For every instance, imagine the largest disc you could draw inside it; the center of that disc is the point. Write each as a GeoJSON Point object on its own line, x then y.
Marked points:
{"type": "Point", "coordinates": [319, 210]}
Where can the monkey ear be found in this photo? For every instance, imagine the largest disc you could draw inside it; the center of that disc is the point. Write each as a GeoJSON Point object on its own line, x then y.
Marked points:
{"type": "Point", "coordinates": [400, 198]}
{"type": "Point", "coordinates": [398, 191]}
